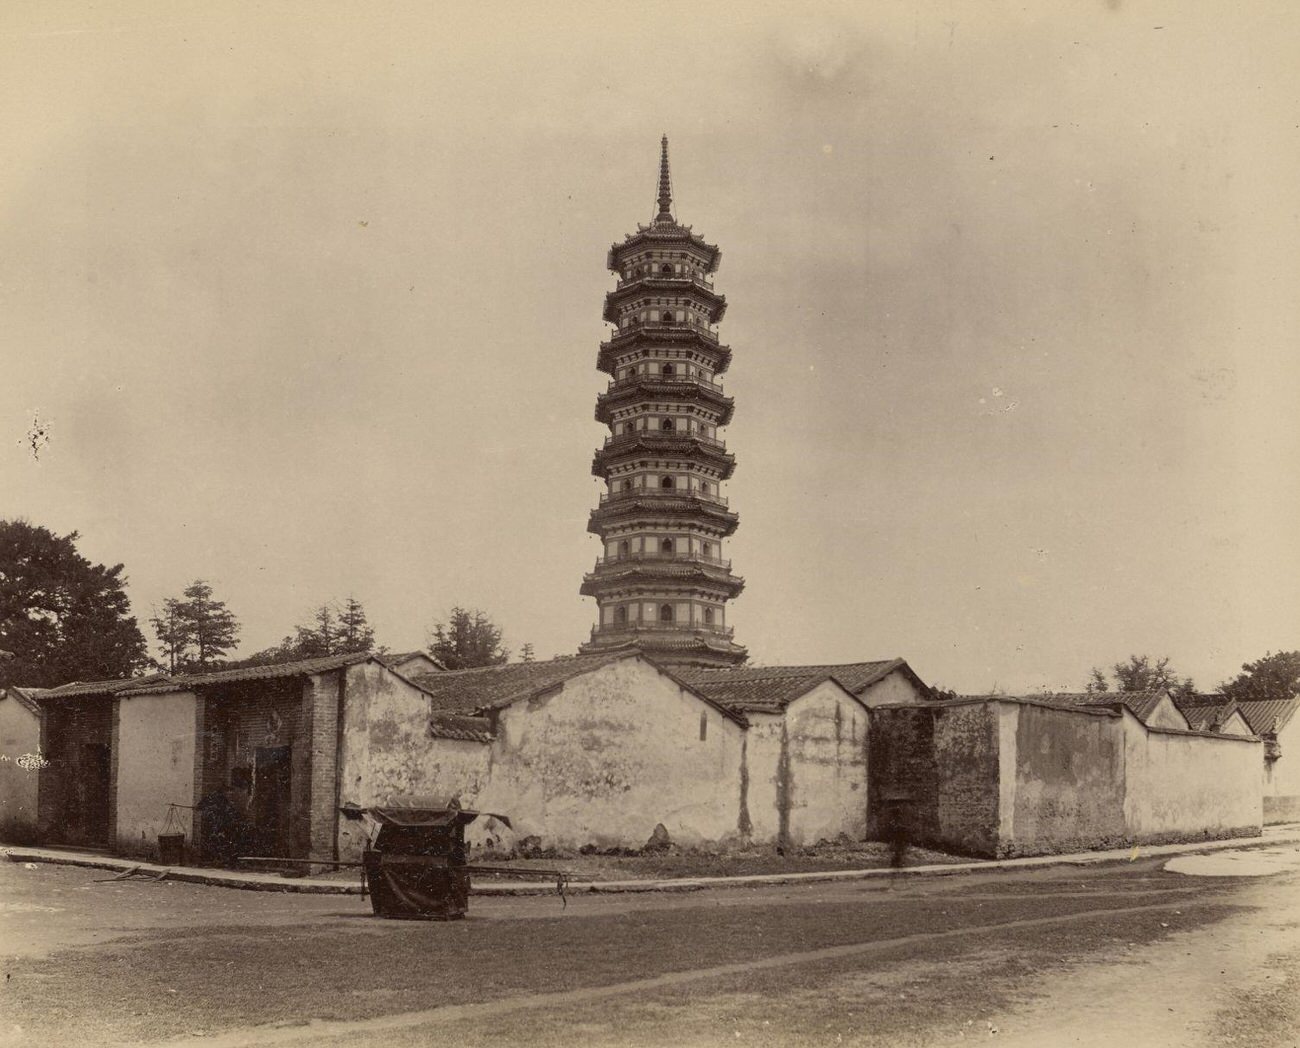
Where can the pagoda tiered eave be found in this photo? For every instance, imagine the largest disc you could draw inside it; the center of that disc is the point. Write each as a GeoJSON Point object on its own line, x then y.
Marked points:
{"type": "Point", "coordinates": [663, 285]}
{"type": "Point", "coordinates": [707, 394]}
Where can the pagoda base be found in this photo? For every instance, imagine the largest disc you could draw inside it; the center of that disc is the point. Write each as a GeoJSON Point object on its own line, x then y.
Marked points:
{"type": "Point", "coordinates": [701, 649]}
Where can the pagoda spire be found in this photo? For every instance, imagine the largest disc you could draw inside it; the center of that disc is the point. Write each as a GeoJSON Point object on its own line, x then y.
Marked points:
{"type": "Point", "coordinates": [665, 186]}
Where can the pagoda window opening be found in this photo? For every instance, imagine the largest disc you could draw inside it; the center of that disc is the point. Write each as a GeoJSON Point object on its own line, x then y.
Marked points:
{"type": "Point", "coordinates": [666, 425]}
{"type": "Point", "coordinates": [666, 547]}
{"type": "Point", "coordinates": [666, 269]}
{"type": "Point", "coordinates": [620, 615]}
{"type": "Point", "coordinates": [624, 551]}
{"type": "Point", "coordinates": [666, 483]}
{"type": "Point", "coordinates": [666, 613]}
{"type": "Point", "coordinates": [667, 371]}
{"type": "Point", "coordinates": [708, 616]}
{"type": "Point", "coordinates": [707, 550]}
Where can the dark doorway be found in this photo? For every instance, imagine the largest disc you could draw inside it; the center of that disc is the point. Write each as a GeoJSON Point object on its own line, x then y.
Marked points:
{"type": "Point", "coordinates": [271, 780]}
{"type": "Point", "coordinates": [94, 792]}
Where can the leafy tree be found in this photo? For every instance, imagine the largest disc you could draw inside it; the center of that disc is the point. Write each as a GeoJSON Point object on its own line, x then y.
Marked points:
{"type": "Point", "coordinates": [1140, 673]}
{"type": "Point", "coordinates": [1271, 677]}
{"type": "Point", "coordinates": [526, 653]}
{"type": "Point", "coordinates": [468, 639]}
{"type": "Point", "coordinates": [62, 618]}
{"type": "Point", "coordinates": [195, 630]}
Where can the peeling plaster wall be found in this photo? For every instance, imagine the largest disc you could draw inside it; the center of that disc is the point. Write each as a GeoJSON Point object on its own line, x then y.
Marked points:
{"type": "Point", "coordinates": [825, 790]}
{"type": "Point", "coordinates": [1069, 771]}
{"type": "Point", "coordinates": [766, 791]}
{"type": "Point", "coordinates": [155, 768]}
{"type": "Point", "coordinates": [1184, 786]}
{"type": "Point", "coordinates": [385, 751]}
{"type": "Point", "coordinates": [611, 754]}
{"type": "Point", "coordinates": [20, 733]}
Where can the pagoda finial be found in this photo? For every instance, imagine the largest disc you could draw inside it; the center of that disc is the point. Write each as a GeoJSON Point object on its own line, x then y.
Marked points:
{"type": "Point", "coordinates": [665, 186]}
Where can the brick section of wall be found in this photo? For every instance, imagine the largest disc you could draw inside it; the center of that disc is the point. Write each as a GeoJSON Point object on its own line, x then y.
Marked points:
{"type": "Point", "coordinates": [202, 742]}
{"type": "Point", "coordinates": [238, 720]}
{"type": "Point", "coordinates": [938, 768]}
{"type": "Point", "coordinates": [321, 696]}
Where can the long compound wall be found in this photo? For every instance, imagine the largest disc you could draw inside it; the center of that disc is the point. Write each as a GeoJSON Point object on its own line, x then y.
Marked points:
{"type": "Point", "coordinates": [1183, 785]}
{"type": "Point", "coordinates": [997, 778]}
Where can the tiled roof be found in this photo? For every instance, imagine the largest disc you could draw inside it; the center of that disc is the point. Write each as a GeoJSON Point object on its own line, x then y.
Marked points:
{"type": "Point", "coordinates": [82, 689]}
{"type": "Point", "coordinates": [1141, 703]}
{"type": "Point", "coordinates": [458, 726]}
{"type": "Point", "coordinates": [495, 687]}
{"type": "Point", "coordinates": [1205, 711]}
{"type": "Point", "coordinates": [270, 671]}
{"type": "Point", "coordinates": [395, 658]}
{"type": "Point", "coordinates": [769, 689]}
{"type": "Point", "coordinates": [25, 697]}
{"type": "Point", "coordinates": [1268, 716]}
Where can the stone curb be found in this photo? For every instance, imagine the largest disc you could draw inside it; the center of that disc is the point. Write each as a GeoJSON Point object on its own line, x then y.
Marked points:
{"type": "Point", "coordinates": [313, 886]}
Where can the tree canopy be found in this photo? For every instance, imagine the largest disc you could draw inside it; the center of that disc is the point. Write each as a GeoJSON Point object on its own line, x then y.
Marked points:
{"type": "Point", "coordinates": [466, 640]}
{"type": "Point", "coordinates": [332, 630]}
{"type": "Point", "coordinates": [62, 618]}
{"type": "Point", "coordinates": [1141, 673]}
{"type": "Point", "coordinates": [195, 630]}
{"type": "Point", "coordinates": [1275, 676]}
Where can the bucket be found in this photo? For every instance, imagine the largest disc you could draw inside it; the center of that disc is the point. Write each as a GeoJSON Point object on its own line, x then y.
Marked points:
{"type": "Point", "coordinates": [171, 848]}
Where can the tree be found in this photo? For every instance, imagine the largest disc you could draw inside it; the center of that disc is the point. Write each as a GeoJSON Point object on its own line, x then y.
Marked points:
{"type": "Point", "coordinates": [332, 632]}
{"type": "Point", "coordinates": [354, 631]}
{"type": "Point", "coordinates": [62, 618]}
{"type": "Point", "coordinates": [526, 653]}
{"type": "Point", "coordinates": [468, 639]}
{"type": "Point", "coordinates": [195, 630]}
{"type": "Point", "coordinates": [1140, 673]}
{"type": "Point", "coordinates": [1271, 677]}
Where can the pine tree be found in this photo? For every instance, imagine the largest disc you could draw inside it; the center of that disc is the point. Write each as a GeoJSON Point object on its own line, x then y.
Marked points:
{"type": "Point", "coordinates": [468, 639]}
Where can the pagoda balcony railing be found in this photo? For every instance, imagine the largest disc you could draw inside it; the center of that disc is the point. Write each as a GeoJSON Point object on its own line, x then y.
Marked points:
{"type": "Point", "coordinates": [652, 557]}
{"type": "Point", "coordinates": [665, 434]}
{"type": "Point", "coordinates": [669, 327]}
{"type": "Point", "coordinates": [663, 493]}
{"type": "Point", "coordinates": [682, 278]}
{"type": "Point", "coordinates": [609, 628]}
{"type": "Point", "coordinates": [685, 380]}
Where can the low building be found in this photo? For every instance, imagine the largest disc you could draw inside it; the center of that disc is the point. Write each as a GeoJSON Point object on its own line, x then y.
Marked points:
{"type": "Point", "coordinates": [1154, 707]}
{"type": "Point", "coordinates": [1214, 712]}
{"type": "Point", "coordinates": [20, 757]}
{"type": "Point", "coordinates": [1276, 722]}
{"type": "Point", "coordinates": [600, 749]}
{"type": "Point", "coordinates": [1002, 776]}
{"type": "Point", "coordinates": [410, 663]}
{"type": "Point", "coordinates": [132, 759]}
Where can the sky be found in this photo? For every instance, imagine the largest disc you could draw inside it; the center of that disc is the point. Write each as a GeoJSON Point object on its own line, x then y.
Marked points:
{"type": "Point", "coordinates": [307, 299]}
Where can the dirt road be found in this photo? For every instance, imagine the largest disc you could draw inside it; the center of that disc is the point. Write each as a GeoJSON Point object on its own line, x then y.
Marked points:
{"type": "Point", "coordinates": [1129, 955]}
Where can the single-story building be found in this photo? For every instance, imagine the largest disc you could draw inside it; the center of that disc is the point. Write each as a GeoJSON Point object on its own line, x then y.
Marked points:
{"type": "Point", "coordinates": [1214, 712]}
{"type": "Point", "coordinates": [20, 757]}
{"type": "Point", "coordinates": [131, 759]}
{"type": "Point", "coordinates": [410, 663]}
{"type": "Point", "coordinates": [601, 749]}
{"type": "Point", "coordinates": [1154, 707]}
{"type": "Point", "coordinates": [1275, 721]}
{"type": "Point", "coordinates": [1003, 776]}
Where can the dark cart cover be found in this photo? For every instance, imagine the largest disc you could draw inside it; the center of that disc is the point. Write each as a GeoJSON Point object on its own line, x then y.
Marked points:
{"type": "Point", "coordinates": [415, 865]}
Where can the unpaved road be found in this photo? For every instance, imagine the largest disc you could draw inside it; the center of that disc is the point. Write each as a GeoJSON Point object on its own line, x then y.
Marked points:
{"type": "Point", "coordinates": [1120, 955]}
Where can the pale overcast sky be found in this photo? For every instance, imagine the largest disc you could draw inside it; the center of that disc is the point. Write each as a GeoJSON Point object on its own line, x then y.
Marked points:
{"type": "Point", "coordinates": [309, 296]}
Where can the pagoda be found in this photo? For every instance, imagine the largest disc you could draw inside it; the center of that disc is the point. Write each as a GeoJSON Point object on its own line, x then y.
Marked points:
{"type": "Point", "coordinates": [663, 582]}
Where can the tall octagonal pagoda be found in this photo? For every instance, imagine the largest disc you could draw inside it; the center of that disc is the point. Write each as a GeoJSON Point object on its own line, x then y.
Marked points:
{"type": "Point", "coordinates": [663, 582]}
